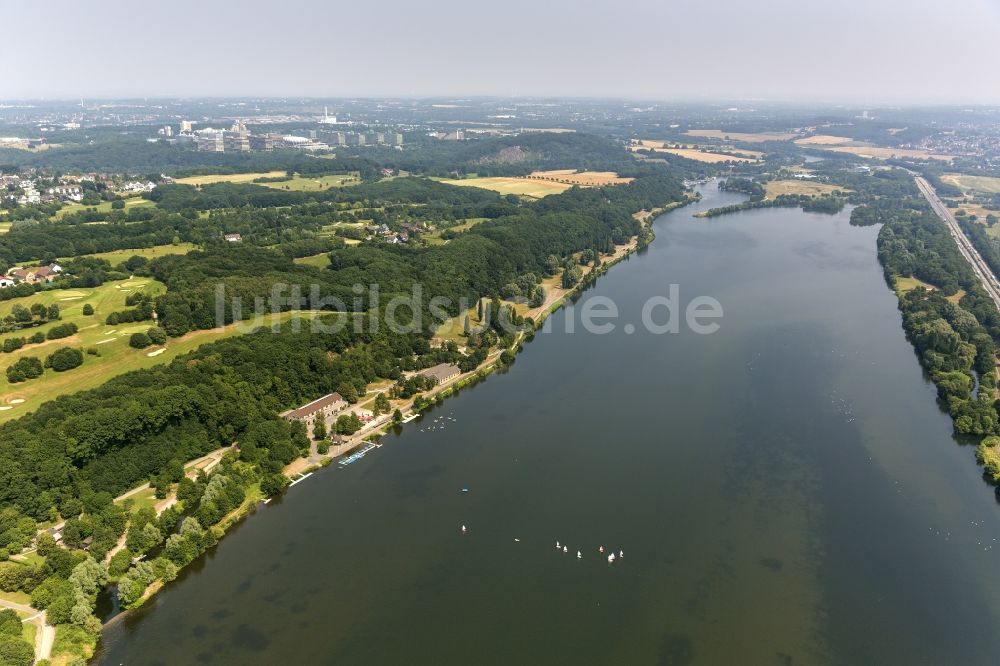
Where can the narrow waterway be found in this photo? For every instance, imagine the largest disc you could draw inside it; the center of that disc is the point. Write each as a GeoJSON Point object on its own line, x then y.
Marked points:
{"type": "Point", "coordinates": [785, 491]}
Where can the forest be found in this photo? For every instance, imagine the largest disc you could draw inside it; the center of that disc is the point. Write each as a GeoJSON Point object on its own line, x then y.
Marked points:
{"type": "Point", "coordinates": [110, 438]}
{"type": "Point", "coordinates": [476, 263]}
{"type": "Point", "coordinates": [955, 341]}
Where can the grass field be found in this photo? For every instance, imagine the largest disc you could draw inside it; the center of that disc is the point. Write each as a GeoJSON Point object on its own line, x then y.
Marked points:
{"type": "Point", "coordinates": [321, 260]}
{"type": "Point", "coordinates": [978, 184]}
{"type": "Point", "coordinates": [118, 256]}
{"type": "Point", "coordinates": [744, 137]}
{"type": "Point", "coordinates": [142, 500]}
{"type": "Point", "coordinates": [453, 329]}
{"type": "Point", "coordinates": [16, 597]}
{"type": "Point", "coordinates": [434, 237]}
{"type": "Point", "coordinates": [116, 358]}
{"type": "Point", "coordinates": [305, 184]}
{"type": "Point", "coordinates": [103, 207]}
{"type": "Point", "coordinates": [582, 178]}
{"type": "Point", "coordinates": [229, 178]}
{"type": "Point", "coordinates": [905, 284]}
{"type": "Point", "coordinates": [526, 187]}
{"type": "Point", "coordinates": [808, 188]}
{"type": "Point", "coordinates": [28, 631]}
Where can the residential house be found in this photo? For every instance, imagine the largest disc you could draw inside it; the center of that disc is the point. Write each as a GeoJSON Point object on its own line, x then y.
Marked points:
{"type": "Point", "coordinates": [48, 273]}
{"type": "Point", "coordinates": [67, 192]}
{"type": "Point", "coordinates": [233, 238]}
{"type": "Point", "coordinates": [6, 281]}
{"type": "Point", "coordinates": [23, 275]}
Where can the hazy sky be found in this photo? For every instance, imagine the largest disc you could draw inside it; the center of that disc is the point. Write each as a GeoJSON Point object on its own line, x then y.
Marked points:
{"type": "Point", "coordinates": [863, 50]}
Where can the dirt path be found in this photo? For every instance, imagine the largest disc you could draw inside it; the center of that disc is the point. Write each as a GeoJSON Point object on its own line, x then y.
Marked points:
{"type": "Point", "coordinates": [206, 463]}
{"type": "Point", "coordinates": [45, 637]}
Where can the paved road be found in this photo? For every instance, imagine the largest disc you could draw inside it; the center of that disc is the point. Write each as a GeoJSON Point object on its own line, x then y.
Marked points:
{"type": "Point", "coordinates": [45, 636]}
{"type": "Point", "coordinates": [982, 270]}
{"type": "Point", "coordinates": [22, 608]}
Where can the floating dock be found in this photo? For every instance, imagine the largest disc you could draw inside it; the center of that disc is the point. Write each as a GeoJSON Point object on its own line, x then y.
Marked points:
{"type": "Point", "coordinates": [360, 453]}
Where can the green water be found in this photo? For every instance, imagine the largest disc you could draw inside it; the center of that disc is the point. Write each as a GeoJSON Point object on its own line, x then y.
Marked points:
{"type": "Point", "coordinates": [786, 491]}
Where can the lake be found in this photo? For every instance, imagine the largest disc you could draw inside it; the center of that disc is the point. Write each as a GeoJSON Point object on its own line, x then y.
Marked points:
{"type": "Point", "coordinates": [785, 491]}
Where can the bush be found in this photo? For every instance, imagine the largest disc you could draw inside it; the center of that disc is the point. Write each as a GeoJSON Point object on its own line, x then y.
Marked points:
{"type": "Point", "coordinates": [61, 331]}
{"type": "Point", "coordinates": [88, 309]}
{"type": "Point", "coordinates": [24, 369]}
{"type": "Point", "coordinates": [139, 341]}
{"type": "Point", "coordinates": [157, 336]}
{"type": "Point", "coordinates": [16, 652]}
{"type": "Point", "coordinates": [272, 484]}
{"type": "Point", "coordinates": [64, 358]}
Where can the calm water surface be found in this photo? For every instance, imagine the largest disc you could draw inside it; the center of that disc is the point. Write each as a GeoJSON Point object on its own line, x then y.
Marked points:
{"type": "Point", "coordinates": [786, 491]}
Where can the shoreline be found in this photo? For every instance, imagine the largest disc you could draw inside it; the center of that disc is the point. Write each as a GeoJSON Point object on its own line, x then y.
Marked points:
{"type": "Point", "coordinates": [306, 465]}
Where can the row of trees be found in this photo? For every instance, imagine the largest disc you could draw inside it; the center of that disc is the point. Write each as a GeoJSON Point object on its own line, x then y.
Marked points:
{"type": "Point", "coordinates": [956, 342]}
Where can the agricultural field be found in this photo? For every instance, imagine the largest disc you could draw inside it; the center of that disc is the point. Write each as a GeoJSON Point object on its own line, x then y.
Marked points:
{"type": "Point", "coordinates": [710, 154]}
{"type": "Point", "coordinates": [317, 183]}
{"type": "Point", "coordinates": [775, 188]}
{"type": "Point", "coordinates": [197, 181]}
{"type": "Point", "coordinates": [823, 140]}
{"type": "Point", "coordinates": [976, 184]}
{"type": "Point", "coordinates": [155, 252]}
{"type": "Point", "coordinates": [702, 156]}
{"type": "Point", "coordinates": [526, 187]}
{"type": "Point", "coordinates": [103, 207]}
{"type": "Point", "coordinates": [878, 152]}
{"type": "Point", "coordinates": [744, 137]}
{"type": "Point", "coordinates": [840, 144]}
{"type": "Point", "coordinates": [582, 178]}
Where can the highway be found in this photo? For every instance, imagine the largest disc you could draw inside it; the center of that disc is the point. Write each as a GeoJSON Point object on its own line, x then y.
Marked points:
{"type": "Point", "coordinates": [980, 267]}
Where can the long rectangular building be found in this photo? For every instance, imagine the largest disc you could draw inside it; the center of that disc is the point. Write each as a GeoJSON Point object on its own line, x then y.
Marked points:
{"type": "Point", "coordinates": [324, 407]}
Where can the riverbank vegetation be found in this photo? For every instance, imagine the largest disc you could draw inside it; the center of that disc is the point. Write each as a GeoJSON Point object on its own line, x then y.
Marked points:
{"type": "Point", "coordinates": [68, 459]}
{"type": "Point", "coordinates": [956, 342]}
{"type": "Point", "coordinates": [952, 323]}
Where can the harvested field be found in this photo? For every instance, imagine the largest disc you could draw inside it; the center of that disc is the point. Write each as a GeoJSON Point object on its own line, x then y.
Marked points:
{"type": "Point", "coordinates": [807, 188]}
{"type": "Point", "coordinates": [744, 137]}
{"type": "Point", "coordinates": [582, 178]}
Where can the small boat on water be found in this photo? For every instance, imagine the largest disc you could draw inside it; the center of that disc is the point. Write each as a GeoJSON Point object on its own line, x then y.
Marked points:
{"type": "Point", "coordinates": [611, 558]}
{"type": "Point", "coordinates": [565, 549]}
{"type": "Point", "coordinates": [600, 549]}
{"type": "Point", "coordinates": [463, 529]}
{"type": "Point", "coordinates": [579, 555]}
{"type": "Point", "coordinates": [557, 545]}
